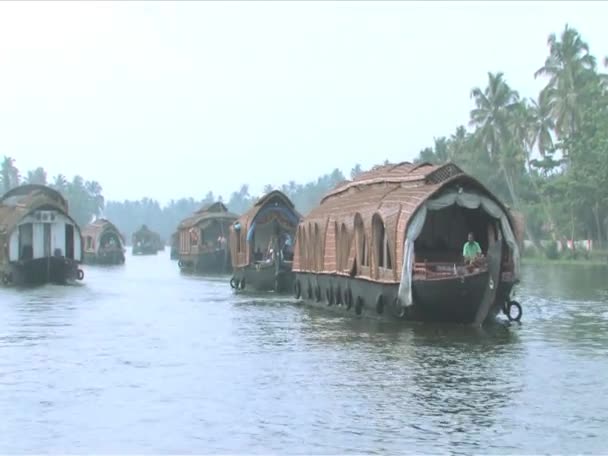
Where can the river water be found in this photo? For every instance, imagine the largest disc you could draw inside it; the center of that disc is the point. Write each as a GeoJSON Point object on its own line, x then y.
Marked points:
{"type": "Point", "coordinates": [141, 359]}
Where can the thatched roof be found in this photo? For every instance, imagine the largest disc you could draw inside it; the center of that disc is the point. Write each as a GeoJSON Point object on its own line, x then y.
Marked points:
{"type": "Point", "coordinates": [275, 196]}
{"type": "Point", "coordinates": [390, 188]}
{"type": "Point", "coordinates": [211, 211]}
{"type": "Point", "coordinates": [144, 230]}
{"type": "Point", "coordinates": [21, 201]}
{"type": "Point", "coordinates": [99, 227]}
{"type": "Point", "coordinates": [240, 228]}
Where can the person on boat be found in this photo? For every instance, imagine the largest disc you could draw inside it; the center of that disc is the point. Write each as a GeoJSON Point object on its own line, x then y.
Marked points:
{"type": "Point", "coordinates": [471, 251]}
{"type": "Point", "coordinates": [221, 242]}
{"type": "Point", "coordinates": [287, 251]}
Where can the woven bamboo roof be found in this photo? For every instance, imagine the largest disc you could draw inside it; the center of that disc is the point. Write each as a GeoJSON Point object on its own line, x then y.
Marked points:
{"type": "Point", "coordinates": [20, 201]}
{"type": "Point", "coordinates": [388, 189]}
{"type": "Point", "coordinates": [276, 196]}
{"type": "Point", "coordinates": [99, 227]}
{"type": "Point", "coordinates": [211, 211]}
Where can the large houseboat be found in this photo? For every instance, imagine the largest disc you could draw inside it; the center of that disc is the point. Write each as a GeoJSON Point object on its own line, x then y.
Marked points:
{"type": "Point", "coordinates": [203, 240]}
{"type": "Point", "coordinates": [103, 243]}
{"type": "Point", "coordinates": [390, 242]}
{"type": "Point", "coordinates": [39, 241]}
{"type": "Point", "coordinates": [261, 244]}
{"type": "Point", "coordinates": [145, 241]}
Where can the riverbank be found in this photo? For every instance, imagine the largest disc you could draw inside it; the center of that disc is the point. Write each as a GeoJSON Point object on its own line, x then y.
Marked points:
{"type": "Point", "coordinates": [565, 261]}
{"type": "Point", "coordinates": [593, 258]}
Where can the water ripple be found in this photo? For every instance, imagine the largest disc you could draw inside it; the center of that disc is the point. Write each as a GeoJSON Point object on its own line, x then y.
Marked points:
{"type": "Point", "coordinates": [142, 359]}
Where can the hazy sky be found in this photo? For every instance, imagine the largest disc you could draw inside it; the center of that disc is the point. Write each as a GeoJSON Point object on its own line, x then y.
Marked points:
{"type": "Point", "coordinates": [175, 99]}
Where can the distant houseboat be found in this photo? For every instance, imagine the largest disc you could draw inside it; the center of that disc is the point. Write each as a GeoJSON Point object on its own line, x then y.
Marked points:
{"type": "Point", "coordinates": [261, 244]}
{"type": "Point", "coordinates": [175, 246]}
{"type": "Point", "coordinates": [203, 240]}
{"type": "Point", "coordinates": [103, 243]}
{"type": "Point", "coordinates": [145, 241]}
{"type": "Point", "coordinates": [390, 243]}
{"type": "Point", "coordinates": [39, 241]}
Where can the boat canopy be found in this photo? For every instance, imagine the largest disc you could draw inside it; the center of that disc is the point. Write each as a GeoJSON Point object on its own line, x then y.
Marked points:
{"type": "Point", "coordinates": [469, 199]}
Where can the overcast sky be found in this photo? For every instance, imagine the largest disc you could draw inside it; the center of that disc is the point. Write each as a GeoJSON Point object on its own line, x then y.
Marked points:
{"type": "Point", "coordinates": [175, 99]}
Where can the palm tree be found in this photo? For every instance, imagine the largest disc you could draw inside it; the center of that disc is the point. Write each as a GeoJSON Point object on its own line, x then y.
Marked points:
{"type": "Point", "coordinates": [356, 171]}
{"type": "Point", "coordinates": [60, 183]}
{"type": "Point", "coordinates": [492, 116]}
{"type": "Point", "coordinates": [540, 125]}
{"type": "Point", "coordinates": [533, 128]}
{"type": "Point", "coordinates": [442, 150]}
{"type": "Point", "coordinates": [9, 174]}
{"type": "Point", "coordinates": [38, 176]}
{"type": "Point", "coordinates": [569, 67]}
{"type": "Point", "coordinates": [426, 155]}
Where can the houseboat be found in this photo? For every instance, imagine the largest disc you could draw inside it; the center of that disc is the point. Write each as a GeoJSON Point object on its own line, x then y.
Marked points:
{"type": "Point", "coordinates": [203, 240]}
{"type": "Point", "coordinates": [103, 243]}
{"type": "Point", "coordinates": [39, 241]}
{"type": "Point", "coordinates": [261, 244]}
{"type": "Point", "coordinates": [145, 241]}
{"type": "Point", "coordinates": [390, 242]}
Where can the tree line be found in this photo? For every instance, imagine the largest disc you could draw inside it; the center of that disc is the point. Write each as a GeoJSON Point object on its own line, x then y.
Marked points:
{"type": "Point", "coordinates": [545, 156]}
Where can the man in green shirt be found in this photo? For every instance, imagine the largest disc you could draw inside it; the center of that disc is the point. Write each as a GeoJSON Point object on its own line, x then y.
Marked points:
{"type": "Point", "coordinates": [471, 250]}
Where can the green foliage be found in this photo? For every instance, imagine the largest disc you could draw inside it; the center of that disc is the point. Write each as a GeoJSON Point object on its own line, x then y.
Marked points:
{"type": "Point", "coordinates": [551, 251]}
{"type": "Point", "coordinates": [547, 158]}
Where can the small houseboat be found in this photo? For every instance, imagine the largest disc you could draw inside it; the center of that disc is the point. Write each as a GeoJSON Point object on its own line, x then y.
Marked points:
{"type": "Point", "coordinates": [145, 241]}
{"type": "Point", "coordinates": [390, 243]}
{"type": "Point", "coordinates": [261, 244]}
{"type": "Point", "coordinates": [203, 240]}
{"type": "Point", "coordinates": [103, 243]}
{"type": "Point", "coordinates": [39, 241]}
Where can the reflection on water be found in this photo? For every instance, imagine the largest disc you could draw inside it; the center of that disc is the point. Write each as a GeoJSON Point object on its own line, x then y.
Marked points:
{"type": "Point", "coordinates": [140, 358]}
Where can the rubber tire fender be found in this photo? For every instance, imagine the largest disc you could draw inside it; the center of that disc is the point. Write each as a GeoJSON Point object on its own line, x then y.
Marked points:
{"type": "Point", "coordinates": [510, 305]}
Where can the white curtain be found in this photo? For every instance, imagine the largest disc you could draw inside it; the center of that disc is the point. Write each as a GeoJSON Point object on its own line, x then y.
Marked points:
{"type": "Point", "coordinates": [469, 200]}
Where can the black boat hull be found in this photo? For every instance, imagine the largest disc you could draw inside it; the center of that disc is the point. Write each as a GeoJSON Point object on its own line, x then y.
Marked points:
{"type": "Point", "coordinates": [454, 300]}
{"type": "Point", "coordinates": [263, 277]}
{"type": "Point", "coordinates": [216, 262]}
{"type": "Point", "coordinates": [56, 269]}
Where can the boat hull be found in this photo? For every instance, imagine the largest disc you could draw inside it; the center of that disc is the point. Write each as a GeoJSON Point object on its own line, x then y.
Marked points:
{"type": "Point", "coordinates": [56, 269]}
{"type": "Point", "coordinates": [442, 300]}
{"type": "Point", "coordinates": [108, 258]}
{"type": "Point", "coordinates": [216, 262]}
{"type": "Point", "coordinates": [264, 277]}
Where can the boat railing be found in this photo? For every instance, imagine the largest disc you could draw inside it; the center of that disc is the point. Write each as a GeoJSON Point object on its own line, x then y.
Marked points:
{"type": "Point", "coordinates": [446, 269]}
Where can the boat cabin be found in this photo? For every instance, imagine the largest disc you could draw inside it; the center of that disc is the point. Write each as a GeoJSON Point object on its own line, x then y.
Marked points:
{"type": "Point", "coordinates": [203, 240]}
{"type": "Point", "coordinates": [39, 240]}
{"type": "Point", "coordinates": [261, 244]}
{"type": "Point", "coordinates": [145, 241]}
{"type": "Point", "coordinates": [103, 243]}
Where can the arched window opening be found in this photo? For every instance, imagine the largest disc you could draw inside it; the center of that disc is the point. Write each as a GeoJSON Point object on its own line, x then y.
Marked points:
{"type": "Point", "coordinates": [337, 246]}
{"type": "Point", "coordinates": [344, 247]}
{"type": "Point", "coordinates": [361, 242]}
{"type": "Point", "coordinates": [317, 249]}
{"type": "Point", "coordinates": [379, 241]}
{"type": "Point", "coordinates": [388, 264]}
